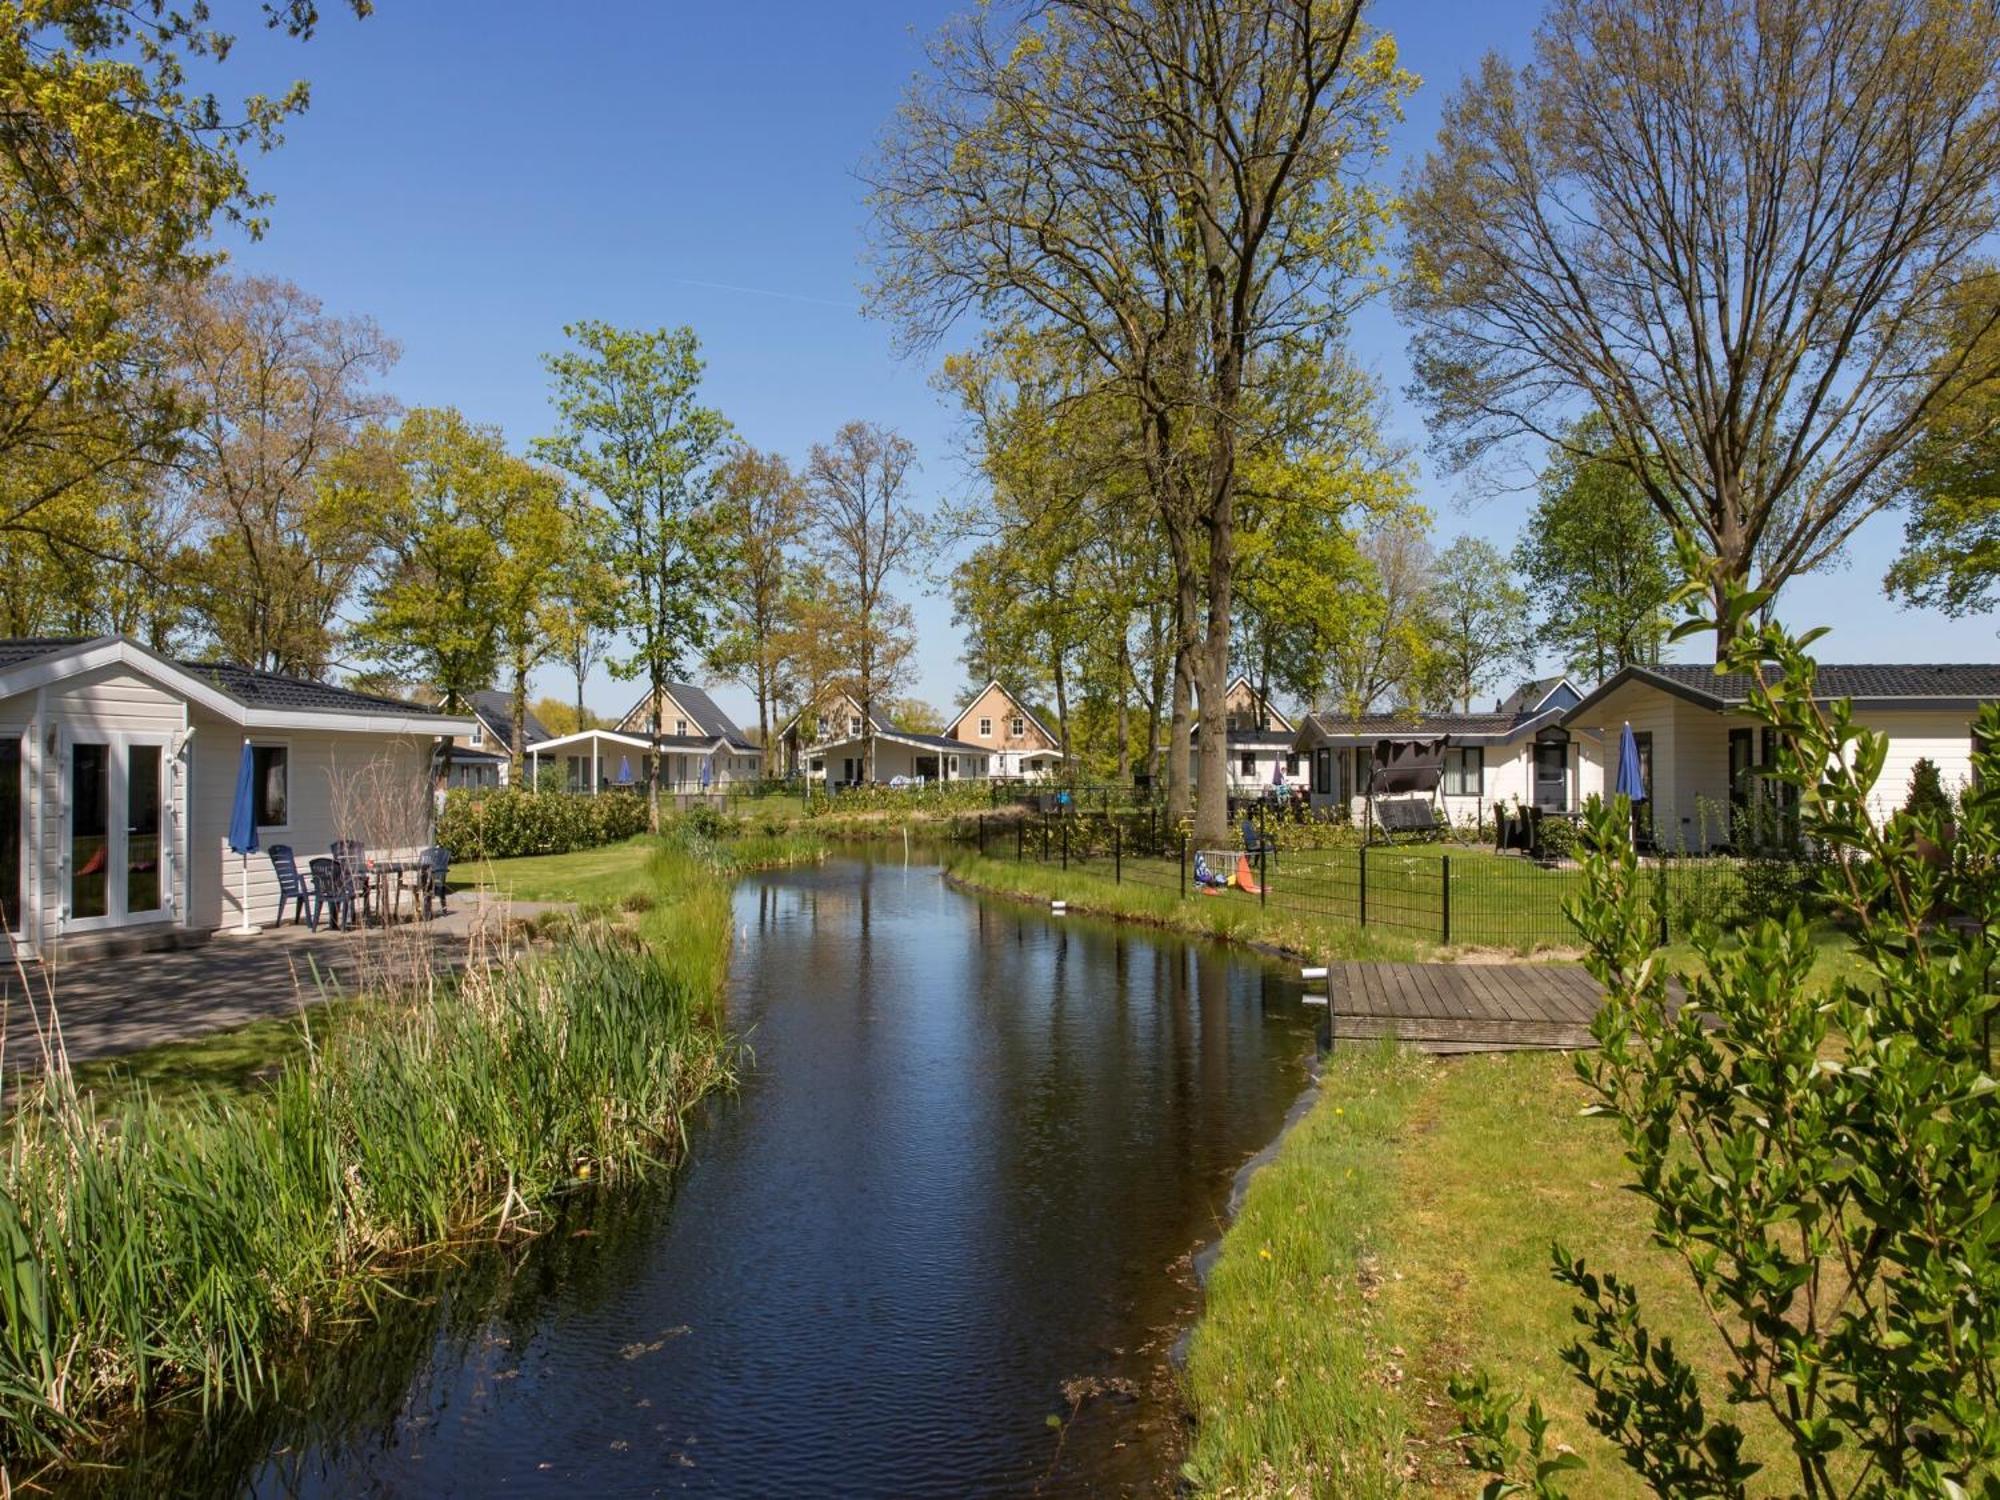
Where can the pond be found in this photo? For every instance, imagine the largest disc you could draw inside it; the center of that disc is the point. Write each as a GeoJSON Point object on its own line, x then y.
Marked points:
{"type": "Point", "coordinates": [955, 1198]}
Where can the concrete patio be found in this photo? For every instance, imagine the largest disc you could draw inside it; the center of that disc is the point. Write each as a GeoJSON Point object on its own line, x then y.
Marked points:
{"type": "Point", "coordinates": [120, 1004]}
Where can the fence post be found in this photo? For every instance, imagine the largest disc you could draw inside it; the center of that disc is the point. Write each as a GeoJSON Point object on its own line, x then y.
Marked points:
{"type": "Point", "coordinates": [982, 835]}
{"type": "Point", "coordinates": [1263, 875]}
{"type": "Point", "coordinates": [1065, 844]}
{"type": "Point", "coordinates": [1660, 898]}
{"type": "Point", "coordinates": [1444, 876]}
{"type": "Point", "coordinates": [1045, 836]}
{"type": "Point", "coordinates": [1184, 839]}
{"type": "Point", "coordinates": [1364, 885]}
{"type": "Point", "coordinates": [1117, 855]}
{"type": "Point", "coordinates": [1020, 840]}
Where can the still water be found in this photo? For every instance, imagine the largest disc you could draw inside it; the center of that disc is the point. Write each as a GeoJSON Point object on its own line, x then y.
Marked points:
{"type": "Point", "coordinates": [955, 1197]}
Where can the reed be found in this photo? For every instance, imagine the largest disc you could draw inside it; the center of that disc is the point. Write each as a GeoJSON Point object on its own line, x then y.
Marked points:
{"type": "Point", "coordinates": [158, 1250]}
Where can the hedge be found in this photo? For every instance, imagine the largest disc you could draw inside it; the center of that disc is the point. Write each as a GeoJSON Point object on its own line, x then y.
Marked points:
{"type": "Point", "coordinates": [499, 824]}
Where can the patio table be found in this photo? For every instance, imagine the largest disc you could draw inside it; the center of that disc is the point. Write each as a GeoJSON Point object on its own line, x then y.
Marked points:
{"type": "Point", "coordinates": [388, 871]}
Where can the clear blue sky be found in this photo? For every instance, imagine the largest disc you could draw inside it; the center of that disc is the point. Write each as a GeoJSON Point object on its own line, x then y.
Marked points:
{"type": "Point", "coordinates": [474, 175]}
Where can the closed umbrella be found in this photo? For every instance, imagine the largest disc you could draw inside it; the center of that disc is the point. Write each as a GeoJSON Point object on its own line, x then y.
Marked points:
{"type": "Point", "coordinates": [1631, 780]}
{"type": "Point", "coordinates": [624, 770]}
{"type": "Point", "coordinates": [243, 827]}
{"type": "Point", "coordinates": [707, 769]}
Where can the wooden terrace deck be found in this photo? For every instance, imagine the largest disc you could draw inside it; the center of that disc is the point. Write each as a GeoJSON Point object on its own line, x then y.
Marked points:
{"type": "Point", "coordinates": [1464, 1007]}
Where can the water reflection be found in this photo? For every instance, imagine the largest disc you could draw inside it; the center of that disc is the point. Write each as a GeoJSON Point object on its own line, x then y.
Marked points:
{"type": "Point", "coordinates": [955, 1198]}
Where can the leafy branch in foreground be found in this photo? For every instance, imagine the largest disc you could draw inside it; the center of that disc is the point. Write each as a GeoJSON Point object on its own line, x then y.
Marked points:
{"type": "Point", "coordinates": [1825, 1165]}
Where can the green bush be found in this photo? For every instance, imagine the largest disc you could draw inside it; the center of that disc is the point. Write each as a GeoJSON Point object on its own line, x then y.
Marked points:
{"type": "Point", "coordinates": [1928, 798]}
{"type": "Point", "coordinates": [1557, 838]}
{"type": "Point", "coordinates": [937, 796]}
{"type": "Point", "coordinates": [515, 820]}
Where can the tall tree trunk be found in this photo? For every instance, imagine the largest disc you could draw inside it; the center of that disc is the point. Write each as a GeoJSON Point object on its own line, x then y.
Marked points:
{"type": "Point", "coordinates": [1062, 711]}
{"type": "Point", "coordinates": [517, 750]}
{"type": "Point", "coordinates": [1125, 707]}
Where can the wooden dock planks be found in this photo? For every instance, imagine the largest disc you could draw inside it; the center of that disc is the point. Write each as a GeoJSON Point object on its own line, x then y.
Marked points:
{"type": "Point", "coordinates": [1446, 1007]}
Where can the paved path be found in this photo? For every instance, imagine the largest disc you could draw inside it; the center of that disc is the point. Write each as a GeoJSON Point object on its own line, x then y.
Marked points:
{"type": "Point", "coordinates": [1447, 1007]}
{"type": "Point", "coordinates": [112, 1005]}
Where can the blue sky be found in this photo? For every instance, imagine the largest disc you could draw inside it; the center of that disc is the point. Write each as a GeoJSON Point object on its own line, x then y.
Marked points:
{"type": "Point", "coordinates": [474, 175]}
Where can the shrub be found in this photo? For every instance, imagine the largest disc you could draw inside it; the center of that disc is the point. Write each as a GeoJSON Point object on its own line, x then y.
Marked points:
{"type": "Point", "coordinates": [1927, 794]}
{"type": "Point", "coordinates": [517, 820]}
{"type": "Point", "coordinates": [1824, 1165]}
{"type": "Point", "coordinates": [1558, 838]}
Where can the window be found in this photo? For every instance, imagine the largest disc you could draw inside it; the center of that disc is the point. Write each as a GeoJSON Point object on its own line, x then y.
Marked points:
{"type": "Point", "coordinates": [271, 784]}
{"type": "Point", "coordinates": [986, 729]}
{"type": "Point", "coordinates": [854, 724]}
{"type": "Point", "coordinates": [1292, 766]}
{"type": "Point", "coordinates": [1323, 771]}
{"type": "Point", "coordinates": [1465, 772]}
{"type": "Point", "coordinates": [142, 828]}
{"type": "Point", "coordinates": [822, 725]}
{"type": "Point", "coordinates": [951, 765]}
{"type": "Point", "coordinates": [478, 733]}
{"type": "Point", "coordinates": [1248, 763]}
{"type": "Point", "coordinates": [89, 830]}
{"type": "Point", "coordinates": [680, 726]}
{"type": "Point", "coordinates": [1019, 727]}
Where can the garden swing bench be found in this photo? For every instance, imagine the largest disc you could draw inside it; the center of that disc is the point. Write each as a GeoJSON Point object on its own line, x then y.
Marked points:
{"type": "Point", "coordinates": [1403, 789]}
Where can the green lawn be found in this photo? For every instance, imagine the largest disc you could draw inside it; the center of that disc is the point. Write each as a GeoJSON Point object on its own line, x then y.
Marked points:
{"type": "Point", "coordinates": [1402, 1235]}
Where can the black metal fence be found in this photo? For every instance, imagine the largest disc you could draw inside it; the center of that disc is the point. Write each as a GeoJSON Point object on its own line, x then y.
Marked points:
{"type": "Point", "coordinates": [1453, 894]}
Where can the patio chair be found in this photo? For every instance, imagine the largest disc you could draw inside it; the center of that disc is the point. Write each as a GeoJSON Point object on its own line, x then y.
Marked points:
{"type": "Point", "coordinates": [290, 887]}
{"type": "Point", "coordinates": [332, 894]}
{"type": "Point", "coordinates": [352, 857]}
{"type": "Point", "coordinates": [437, 869]}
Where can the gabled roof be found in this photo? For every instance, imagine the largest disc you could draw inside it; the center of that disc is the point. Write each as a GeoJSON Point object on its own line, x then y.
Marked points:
{"type": "Point", "coordinates": [878, 719]}
{"type": "Point", "coordinates": [1012, 697]}
{"type": "Point", "coordinates": [256, 700]}
{"type": "Point", "coordinates": [1532, 697]}
{"type": "Point", "coordinates": [1270, 709]}
{"type": "Point", "coordinates": [702, 711]}
{"type": "Point", "coordinates": [1941, 685]}
{"type": "Point", "coordinates": [497, 710]}
{"type": "Point", "coordinates": [1474, 729]}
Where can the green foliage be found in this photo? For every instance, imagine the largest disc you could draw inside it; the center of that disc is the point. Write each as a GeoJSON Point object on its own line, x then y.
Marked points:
{"type": "Point", "coordinates": [1928, 798]}
{"type": "Point", "coordinates": [176, 1248]}
{"type": "Point", "coordinates": [1479, 619]}
{"type": "Point", "coordinates": [876, 797]}
{"type": "Point", "coordinates": [1596, 557]}
{"type": "Point", "coordinates": [1556, 837]}
{"type": "Point", "coordinates": [1824, 1162]}
{"type": "Point", "coordinates": [634, 435]}
{"type": "Point", "coordinates": [512, 821]}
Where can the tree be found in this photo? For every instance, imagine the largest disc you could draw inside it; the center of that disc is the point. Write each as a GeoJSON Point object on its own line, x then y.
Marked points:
{"type": "Point", "coordinates": [1734, 230]}
{"type": "Point", "coordinates": [281, 390]}
{"type": "Point", "coordinates": [437, 491]}
{"type": "Point", "coordinates": [559, 716]}
{"type": "Point", "coordinates": [916, 715]}
{"type": "Point", "coordinates": [1951, 543]}
{"type": "Point", "coordinates": [538, 532]}
{"type": "Point", "coordinates": [587, 601]}
{"type": "Point", "coordinates": [1178, 186]}
{"type": "Point", "coordinates": [112, 175]}
{"type": "Point", "coordinates": [633, 433]}
{"type": "Point", "coordinates": [1381, 645]}
{"type": "Point", "coordinates": [1479, 619]}
{"type": "Point", "coordinates": [1597, 558]}
{"type": "Point", "coordinates": [761, 514]}
{"type": "Point", "coordinates": [864, 531]}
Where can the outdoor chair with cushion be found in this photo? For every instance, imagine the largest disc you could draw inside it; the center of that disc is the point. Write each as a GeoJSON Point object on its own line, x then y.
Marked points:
{"type": "Point", "coordinates": [290, 887]}
{"type": "Point", "coordinates": [332, 894]}
{"type": "Point", "coordinates": [1256, 841]}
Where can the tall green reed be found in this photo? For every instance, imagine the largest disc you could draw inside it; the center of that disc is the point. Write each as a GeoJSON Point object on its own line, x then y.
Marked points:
{"type": "Point", "coordinates": [155, 1251]}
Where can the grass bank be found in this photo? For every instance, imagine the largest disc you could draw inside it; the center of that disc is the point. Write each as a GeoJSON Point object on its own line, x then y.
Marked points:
{"type": "Point", "coordinates": [1401, 1235]}
{"type": "Point", "coordinates": [185, 1242]}
{"type": "Point", "coordinates": [1232, 916]}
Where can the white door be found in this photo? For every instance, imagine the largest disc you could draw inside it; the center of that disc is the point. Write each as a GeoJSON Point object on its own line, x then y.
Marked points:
{"type": "Point", "coordinates": [117, 845]}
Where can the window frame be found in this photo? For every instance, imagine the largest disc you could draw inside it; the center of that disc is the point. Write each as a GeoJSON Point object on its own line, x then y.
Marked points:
{"type": "Point", "coordinates": [986, 729]}
{"type": "Point", "coordinates": [1463, 763]}
{"type": "Point", "coordinates": [258, 749]}
{"type": "Point", "coordinates": [1018, 726]}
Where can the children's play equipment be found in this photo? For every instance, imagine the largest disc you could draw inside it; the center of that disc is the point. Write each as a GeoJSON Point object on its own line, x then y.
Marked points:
{"type": "Point", "coordinates": [1209, 865]}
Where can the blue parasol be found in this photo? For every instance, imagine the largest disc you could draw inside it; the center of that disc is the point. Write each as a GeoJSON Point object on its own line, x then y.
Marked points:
{"type": "Point", "coordinates": [1631, 782]}
{"type": "Point", "coordinates": [624, 770]}
{"type": "Point", "coordinates": [243, 826]}
{"type": "Point", "coordinates": [707, 767]}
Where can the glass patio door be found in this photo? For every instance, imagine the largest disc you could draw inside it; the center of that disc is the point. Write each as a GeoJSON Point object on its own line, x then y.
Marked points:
{"type": "Point", "coordinates": [117, 853]}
